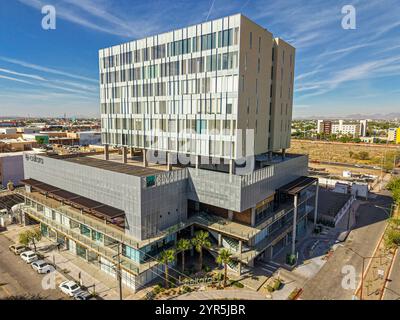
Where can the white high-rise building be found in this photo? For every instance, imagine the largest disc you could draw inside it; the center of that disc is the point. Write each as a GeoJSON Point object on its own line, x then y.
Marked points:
{"type": "Point", "coordinates": [197, 90]}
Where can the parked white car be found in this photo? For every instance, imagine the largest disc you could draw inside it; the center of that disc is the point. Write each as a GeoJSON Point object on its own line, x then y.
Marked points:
{"type": "Point", "coordinates": [42, 266]}
{"type": "Point", "coordinates": [18, 248]}
{"type": "Point", "coordinates": [69, 287]}
{"type": "Point", "coordinates": [29, 256]}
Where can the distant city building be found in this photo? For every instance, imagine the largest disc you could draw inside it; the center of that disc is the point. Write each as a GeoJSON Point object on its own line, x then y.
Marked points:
{"type": "Point", "coordinates": [394, 135]}
{"type": "Point", "coordinates": [89, 138]}
{"type": "Point", "coordinates": [7, 131]}
{"type": "Point", "coordinates": [341, 127]}
{"type": "Point", "coordinates": [324, 126]}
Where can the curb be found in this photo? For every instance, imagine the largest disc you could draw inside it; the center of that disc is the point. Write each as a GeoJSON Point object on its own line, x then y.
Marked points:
{"type": "Point", "coordinates": [388, 274]}
{"type": "Point", "coordinates": [356, 292]}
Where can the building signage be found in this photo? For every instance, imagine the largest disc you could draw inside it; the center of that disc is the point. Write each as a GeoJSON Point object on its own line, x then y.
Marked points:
{"type": "Point", "coordinates": [34, 158]}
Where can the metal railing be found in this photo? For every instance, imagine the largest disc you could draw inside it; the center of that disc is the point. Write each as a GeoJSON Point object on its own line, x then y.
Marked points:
{"type": "Point", "coordinates": [104, 251]}
{"type": "Point", "coordinates": [102, 227]}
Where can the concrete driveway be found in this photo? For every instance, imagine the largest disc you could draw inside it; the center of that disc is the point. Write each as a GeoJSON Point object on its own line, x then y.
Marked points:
{"type": "Point", "coordinates": [327, 283]}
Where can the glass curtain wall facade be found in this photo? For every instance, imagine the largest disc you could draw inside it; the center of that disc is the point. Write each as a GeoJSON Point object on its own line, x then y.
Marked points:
{"type": "Point", "coordinates": [173, 92]}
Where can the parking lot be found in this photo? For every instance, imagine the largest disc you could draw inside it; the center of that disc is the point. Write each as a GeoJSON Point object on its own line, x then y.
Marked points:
{"type": "Point", "coordinates": [17, 278]}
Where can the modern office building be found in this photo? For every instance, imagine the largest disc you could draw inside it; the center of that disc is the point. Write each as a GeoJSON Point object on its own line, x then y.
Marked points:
{"type": "Point", "coordinates": [196, 90]}
{"type": "Point", "coordinates": [211, 81]}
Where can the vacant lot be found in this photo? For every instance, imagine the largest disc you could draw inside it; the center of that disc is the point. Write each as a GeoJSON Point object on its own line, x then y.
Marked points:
{"type": "Point", "coordinates": [353, 153]}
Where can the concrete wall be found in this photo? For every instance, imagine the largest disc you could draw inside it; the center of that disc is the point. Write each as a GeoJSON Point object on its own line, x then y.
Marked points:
{"type": "Point", "coordinates": [238, 193]}
{"type": "Point", "coordinates": [282, 173]}
{"type": "Point", "coordinates": [164, 205]}
{"type": "Point", "coordinates": [255, 47]}
{"type": "Point", "coordinates": [11, 168]}
{"type": "Point", "coordinates": [282, 94]}
{"type": "Point", "coordinates": [115, 189]}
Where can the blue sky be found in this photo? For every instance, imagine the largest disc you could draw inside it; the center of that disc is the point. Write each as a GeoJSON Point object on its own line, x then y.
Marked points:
{"type": "Point", "coordinates": [338, 72]}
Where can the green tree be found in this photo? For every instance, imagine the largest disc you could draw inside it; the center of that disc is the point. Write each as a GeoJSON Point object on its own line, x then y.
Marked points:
{"type": "Point", "coordinates": [393, 184]}
{"type": "Point", "coordinates": [394, 187]}
{"type": "Point", "coordinates": [200, 241]}
{"type": "Point", "coordinates": [30, 236]}
{"type": "Point", "coordinates": [166, 257]}
{"type": "Point", "coordinates": [224, 257]}
{"type": "Point", "coordinates": [182, 246]}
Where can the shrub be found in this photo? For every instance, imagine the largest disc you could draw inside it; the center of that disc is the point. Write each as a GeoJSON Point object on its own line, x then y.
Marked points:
{"type": "Point", "coordinates": [157, 289]}
{"type": "Point", "coordinates": [393, 184]}
{"type": "Point", "coordinates": [290, 259]}
{"type": "Point", "coordinates": [186, 289]}
{"type": "Point", "coordinates": [238, 284]}
{"type": "Point", "coordinates": [392, 238]}
{"type": "Point", "coordinates": [363, 155]}
{"type": "Point", "coordinates": [277, 284]}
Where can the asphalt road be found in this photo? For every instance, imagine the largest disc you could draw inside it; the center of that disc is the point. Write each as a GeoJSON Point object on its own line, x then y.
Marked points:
{"type": "Point", "coordinates": [392, 291]}
{"type": "Point", "coordinates": [349, 165]}
{"type": "Point", "coordinates": [19, 279]}
{"type": "Point", "coordinates": [327, 283]}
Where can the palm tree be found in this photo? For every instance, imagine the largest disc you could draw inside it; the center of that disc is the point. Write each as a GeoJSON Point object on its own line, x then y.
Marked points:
{"type": "Point", "coordinates": [165, 258]}
{"type": "Point", "coordinates": [224, 257]}
{"type": "Point", "coordinates": [201, 241]}
{"type": "Point", "coordinates": [182, 246]}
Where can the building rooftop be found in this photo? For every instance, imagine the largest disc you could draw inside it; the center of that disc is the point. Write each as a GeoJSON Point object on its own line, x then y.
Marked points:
{"type": "Point", "coordinates": [95, 208]}
{"type": "Point", "coordinates": [329, 202]}
{"type": "Point", "coordinates": [297, 185]}
{"type": "Point", "coordinates": [133, 167]}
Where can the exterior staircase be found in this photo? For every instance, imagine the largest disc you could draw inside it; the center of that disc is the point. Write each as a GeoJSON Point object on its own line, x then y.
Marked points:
{"type": "Point", "coordinates": [269, 267]}
{"type": "Point", "coordinates": [233, 244]}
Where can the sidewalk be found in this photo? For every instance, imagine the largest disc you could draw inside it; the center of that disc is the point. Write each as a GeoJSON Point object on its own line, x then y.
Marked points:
{"type": "Point", "coordinates": [69, 266]}
{"type": "Point", "coordinates": [221, 294]}
{"type": "Point", "coordinates": [377, 270]}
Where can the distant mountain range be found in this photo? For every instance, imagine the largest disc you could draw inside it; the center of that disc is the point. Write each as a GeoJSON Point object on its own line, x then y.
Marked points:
{"type": "Point", "coordinates": [357, 116]}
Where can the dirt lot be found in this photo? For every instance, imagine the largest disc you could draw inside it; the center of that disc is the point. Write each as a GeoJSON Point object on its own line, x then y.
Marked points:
{"type": "Point", "coordinates": [338, 170]}
{"type": "Point", "coordinates": [345, 152]}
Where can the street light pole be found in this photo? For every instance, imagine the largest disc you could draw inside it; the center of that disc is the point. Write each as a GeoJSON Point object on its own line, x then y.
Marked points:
{"type": "Point", "coordinates": [383, 163]}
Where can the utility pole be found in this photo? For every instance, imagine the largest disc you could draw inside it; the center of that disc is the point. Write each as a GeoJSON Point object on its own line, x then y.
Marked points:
{"type": "Point", "coordinates": [383, 163]}
{"type": "Point", "coordinates": [363, 268]}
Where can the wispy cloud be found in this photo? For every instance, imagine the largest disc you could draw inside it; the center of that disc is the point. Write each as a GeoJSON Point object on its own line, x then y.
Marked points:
{"type": "Point", "coordinates": [14, 79]}
{"type": "Point", "coordinates": [47, 69]}
{"type": "Point", "coordinates": [80, 88]}
{"type": "Point", "coordinates": [26, 75]}
{"type": "Point", "coordinates": [98, 16]}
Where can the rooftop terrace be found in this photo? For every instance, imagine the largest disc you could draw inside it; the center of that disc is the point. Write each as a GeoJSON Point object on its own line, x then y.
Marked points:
{"type": "Point", "coordinates": [133, 166]}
